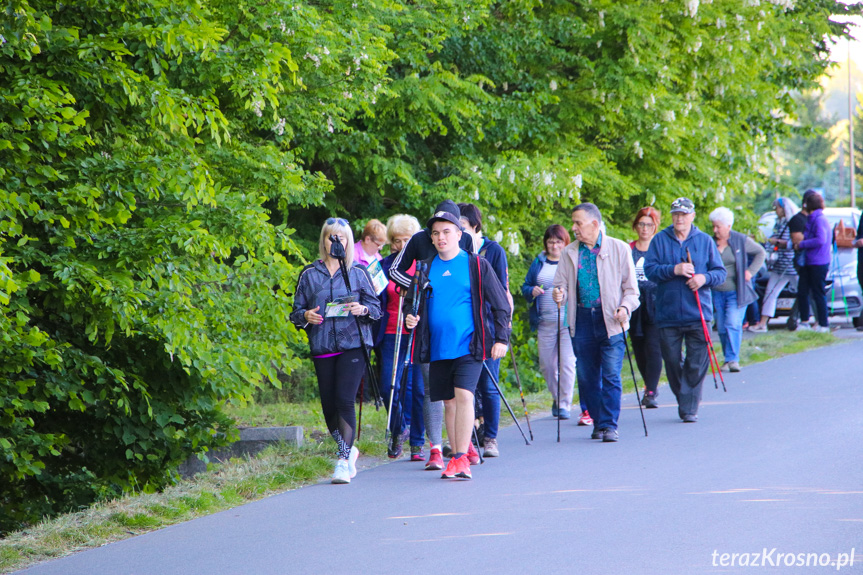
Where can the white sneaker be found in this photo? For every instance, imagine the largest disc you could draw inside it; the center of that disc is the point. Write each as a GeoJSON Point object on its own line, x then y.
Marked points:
{"type": "Point", "coordinates": [352, 461]}
{"type": "Point", "coordinates": [342, 473]}
{"type": "Point", "coordinates": [822, 329]}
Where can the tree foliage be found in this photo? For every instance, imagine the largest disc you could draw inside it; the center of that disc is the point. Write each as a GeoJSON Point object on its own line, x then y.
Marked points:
{"type": "Point", "coordinates": [164, 166]}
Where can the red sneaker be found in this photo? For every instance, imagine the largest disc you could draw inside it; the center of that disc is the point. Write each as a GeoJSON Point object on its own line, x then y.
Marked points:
{"type": "Point", "coordinates": [435, 462]}
{"type": "Point", "coordinates": [472, 454]}
{"type": "Point", "coordinates": [463, 469]}
{"type": "Point", "coordinates": [452, 468]}
{"type": "Point", "coordinates": [585, 418]}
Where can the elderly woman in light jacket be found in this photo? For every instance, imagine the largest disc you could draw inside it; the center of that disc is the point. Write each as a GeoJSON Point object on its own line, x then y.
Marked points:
{"type": "Point", "coordinates": [731, 298]}
{"type": "Point", "coordinates": [596, 276]}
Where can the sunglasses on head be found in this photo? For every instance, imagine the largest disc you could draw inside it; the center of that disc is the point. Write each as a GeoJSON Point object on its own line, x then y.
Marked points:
{"type": "Point", "coordinates": [340, 221]}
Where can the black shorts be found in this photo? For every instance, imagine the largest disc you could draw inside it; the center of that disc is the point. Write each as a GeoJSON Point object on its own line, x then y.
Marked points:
{"type": "Point", "coordinates": [447, 374]}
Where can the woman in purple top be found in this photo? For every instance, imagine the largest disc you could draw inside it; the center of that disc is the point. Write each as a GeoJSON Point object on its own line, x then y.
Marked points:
{"type": "Point", "coordinates": [816, 246]}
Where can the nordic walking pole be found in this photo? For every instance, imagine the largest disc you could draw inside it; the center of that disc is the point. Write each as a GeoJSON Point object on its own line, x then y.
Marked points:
{"type": "Point", "coordinates": [409, 359]}
{"type": "Point", "coordinates": [395, 363]}
{"type": "Point", "coordinates": [360, 419]}
{"type": "Point", "coordinates": [337, 251]}
{"type": "Point", "coordinates": [634, 381]}
{"type": "Point", "coordinates": [505, 402]}
{"type": "Point", "coordinates": [520, 390]}
{"type": "Point", "coordinates": [557, 400]}
{"type": "Point", "coordinates": [478, 450]}
{"type": "Point", "coordinates": [711, 353]}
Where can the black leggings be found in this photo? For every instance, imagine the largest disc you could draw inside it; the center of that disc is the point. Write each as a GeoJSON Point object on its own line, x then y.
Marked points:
{"type": "Point", "coordinates": [648, 354]}
{"type": "Point", "coordinates": [339, 379]}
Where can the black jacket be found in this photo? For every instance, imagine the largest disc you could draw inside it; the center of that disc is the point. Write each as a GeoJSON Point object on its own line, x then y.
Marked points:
{"type": "Point", "coordinates": [484, 287]}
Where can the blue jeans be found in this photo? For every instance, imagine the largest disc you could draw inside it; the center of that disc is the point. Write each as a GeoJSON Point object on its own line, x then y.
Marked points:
{"type": "Point", "coordinates": [599, 359]}
{"type": "Point", "coordinates": [490, 398]}
{"type": "Point", "coordinates": [729, 322]}
{"type": "Point", "coordinates": [412, 406]}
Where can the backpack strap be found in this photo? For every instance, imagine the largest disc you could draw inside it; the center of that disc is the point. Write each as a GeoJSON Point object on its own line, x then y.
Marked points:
{"type": "Point", "coordinates": [481, 306]}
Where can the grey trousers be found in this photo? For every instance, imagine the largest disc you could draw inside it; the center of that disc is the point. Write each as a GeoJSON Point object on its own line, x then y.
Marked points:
{"type": "Point", "coordinates": [685, 372]}
{"type": "Point", "coordinates": [548, 339]}
{"type": "Point", "coordinates": [432, 412]}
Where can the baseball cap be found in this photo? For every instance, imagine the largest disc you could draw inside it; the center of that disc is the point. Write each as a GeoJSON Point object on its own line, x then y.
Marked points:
{"type": "Point", "coordinates": [682, 206]}
{"type": "Point", "coordinates": [446, 211]}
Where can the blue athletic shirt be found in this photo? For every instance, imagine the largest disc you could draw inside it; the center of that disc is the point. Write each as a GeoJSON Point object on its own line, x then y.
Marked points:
{"type": "Point", "coordinates": [450, 308]}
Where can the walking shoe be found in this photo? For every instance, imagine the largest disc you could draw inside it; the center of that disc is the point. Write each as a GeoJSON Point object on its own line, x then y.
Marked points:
{"type": "Point", "coordinates": [554, 409]}
{"type": "Point", "coordinates": [472, 453]}
{"type": "Point", "coordinates": [395, 454]}
{"type": "Point", "coordinates": [733, 366]}
{"type": "Point", "coordinates": [417, 453]}
{"type": "Point", "coordinates": [352, 461]}
{"type": "Point", "coordinates": [490, 448]}
{"type": "Point", "coordinates": [585, 418]}
{"type": "Point", "coordinates": [690, 418]}
{"type": "Point", "coordinates": [452, 467]}
{"type": "Point", "coordinates": [597, 433]}
{"type": "Point", "coordinates": [463, 469]}
{"type": "Point", "coordinates": [610, 436]}
{"type": "Point", "coordinates": [758, 328]}
{"type": "Point", "coordinates": [435, 462]}
{"type": "Point", "coordinates": [447, 449]}
{"type": "Point", "coordinates": [342, 472]}
{"type": "Point", "coordinates": [649, 400]}
{"type": "Point", "coordinates": [564, 413]}
{"type": "Point", "coordinates": [725, 366]}
{"type": "Point", "coordinates": [822, 329]}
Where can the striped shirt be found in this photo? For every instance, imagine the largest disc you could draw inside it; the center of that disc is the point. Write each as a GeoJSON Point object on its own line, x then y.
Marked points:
{"type": "Point", "coordinates": [783, 264]}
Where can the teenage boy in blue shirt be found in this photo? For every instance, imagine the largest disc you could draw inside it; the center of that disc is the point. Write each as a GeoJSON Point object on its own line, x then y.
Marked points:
{"type": "Point", "coordinates": [455, 332]}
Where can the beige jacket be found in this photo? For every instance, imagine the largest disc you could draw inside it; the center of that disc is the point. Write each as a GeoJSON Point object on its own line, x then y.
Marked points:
{"type": "Point", "coordinates": [618, 286]}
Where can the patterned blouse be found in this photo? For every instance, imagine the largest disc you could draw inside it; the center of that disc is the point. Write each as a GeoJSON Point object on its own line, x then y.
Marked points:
{"type": "Point", "coordinates": [588, 275]}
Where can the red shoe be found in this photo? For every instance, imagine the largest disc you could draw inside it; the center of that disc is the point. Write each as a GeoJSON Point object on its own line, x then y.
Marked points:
{"type": "Point", "coordinates": [585, 418]}
{"type": "Point", "coordinates": [472, 454]}
{"type": "Point", "coordinates": [463, 469]}
{"type": "Point", "coordinates": [435, 462]}
{"type": "Point", "coordinates": [452, 468]}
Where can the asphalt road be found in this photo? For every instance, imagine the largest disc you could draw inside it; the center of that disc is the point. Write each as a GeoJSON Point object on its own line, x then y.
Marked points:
{"type": "Point", "coordinates": [773, 465]}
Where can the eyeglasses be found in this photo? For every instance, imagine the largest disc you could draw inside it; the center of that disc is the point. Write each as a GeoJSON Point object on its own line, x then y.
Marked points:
{"type": "Point", "coordinates": [340, 221]}
{"type": "Point", "coordinates": [645, 225]}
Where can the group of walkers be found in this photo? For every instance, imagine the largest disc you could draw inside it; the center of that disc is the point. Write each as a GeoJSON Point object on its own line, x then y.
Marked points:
{"type": "Point", "coordinates": [439, 307]}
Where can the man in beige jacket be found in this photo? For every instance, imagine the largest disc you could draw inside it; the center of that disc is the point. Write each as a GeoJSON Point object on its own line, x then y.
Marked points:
{"type": "Point", "coordinates": [596, 277]}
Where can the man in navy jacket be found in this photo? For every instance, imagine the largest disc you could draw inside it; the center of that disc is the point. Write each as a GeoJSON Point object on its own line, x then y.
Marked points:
{"type": "Point", "coordinates": [677, 313]}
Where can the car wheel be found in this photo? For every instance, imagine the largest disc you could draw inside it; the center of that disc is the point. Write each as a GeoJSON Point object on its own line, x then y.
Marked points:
{"type": "Point", "coordinates": [856, 321]}
{"type": "Point", "coordinates": [791, 323]}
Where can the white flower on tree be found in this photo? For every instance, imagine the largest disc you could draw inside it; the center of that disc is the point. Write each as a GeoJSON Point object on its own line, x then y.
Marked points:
{"type": "Point", "coordinates": [692, 7]}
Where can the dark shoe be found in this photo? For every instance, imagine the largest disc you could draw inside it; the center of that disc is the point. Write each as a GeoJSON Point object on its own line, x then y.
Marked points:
{"type": "Point", "coordinates": [690, 418]}
{"type": "Point", "coordinates": [554, 409]}
{"type": "Point", "coordinates": [597, 433]}
{"type": "Point", "coordinates": [610, 436]}
{"type": "Point", "coordinates": [564, 413]}
{"type": "Point", "coordinates": [649, 400]}
{"type": "Point", "coordinates": [447, 449]}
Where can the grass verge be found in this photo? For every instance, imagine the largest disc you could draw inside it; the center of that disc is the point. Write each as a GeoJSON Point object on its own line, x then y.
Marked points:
{"type": "Point", "coordinates": [275, 470]}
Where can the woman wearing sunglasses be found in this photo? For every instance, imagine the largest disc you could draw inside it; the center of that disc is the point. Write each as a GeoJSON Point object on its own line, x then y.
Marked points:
{"type": "Point", "coordinates": [326, 309]}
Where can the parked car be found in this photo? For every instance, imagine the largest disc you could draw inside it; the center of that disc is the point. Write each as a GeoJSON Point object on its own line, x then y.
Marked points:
{"type": "Point", "coordinates": [844, 294]}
